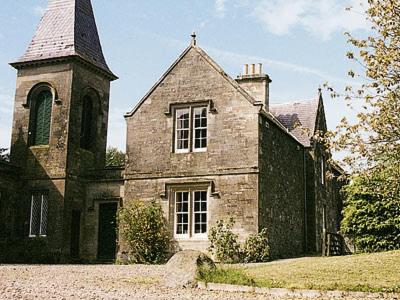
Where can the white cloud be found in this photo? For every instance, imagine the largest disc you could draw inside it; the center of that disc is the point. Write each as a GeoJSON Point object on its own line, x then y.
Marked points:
{"type": "Point", "coordinates": [321, 18]}
{"type": "Point", "coordinates": [220, 7]}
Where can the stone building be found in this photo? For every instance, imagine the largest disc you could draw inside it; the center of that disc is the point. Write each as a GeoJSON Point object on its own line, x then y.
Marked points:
{"type": "Point", "coordinates": [204, 145]}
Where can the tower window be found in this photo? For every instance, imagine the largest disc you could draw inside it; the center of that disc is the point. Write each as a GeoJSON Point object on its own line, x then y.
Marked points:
{"type": "Point", "coordinates": [41, 118]}
{"type": "Point", "coordinates": [39, 210]}
{"type": "Point", "coordinates": [87, 123]}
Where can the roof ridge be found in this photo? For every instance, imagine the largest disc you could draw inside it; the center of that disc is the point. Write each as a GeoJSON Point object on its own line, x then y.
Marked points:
{"type": "Point", "coordinates": [293, 102]}
{"type": "Point", "coordinates": [203, 54]}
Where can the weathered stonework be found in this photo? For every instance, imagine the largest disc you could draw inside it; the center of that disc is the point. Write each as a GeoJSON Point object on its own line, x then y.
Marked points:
{"type": "Point", "coordinates": [257, 168]}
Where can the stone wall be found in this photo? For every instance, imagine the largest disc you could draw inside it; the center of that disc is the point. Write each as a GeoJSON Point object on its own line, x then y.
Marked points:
{"type": "Point", "coordinates": [9, 196]}
{"type": "Point", "coordinates": [232, 195]}
{"type": "Point", "coordinates": [106, 185]}
{"type": "Point", "coordinates": [281, 190]}
{"type": "Point", "coordinates": [228, 167]}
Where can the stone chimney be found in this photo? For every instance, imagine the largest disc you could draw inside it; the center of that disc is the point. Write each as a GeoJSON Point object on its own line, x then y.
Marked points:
{"type": "Point", "coordinates": [256, 83]}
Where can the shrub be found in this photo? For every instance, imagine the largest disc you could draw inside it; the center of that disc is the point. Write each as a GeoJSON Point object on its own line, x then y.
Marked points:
{"type": "Point", "coordinates": [256, 247]}
{"type": "Point", "coordinates": [143, 228]}
{"type": "Point", "coordinates": [224, 243]}
{"type": "Point", "coordinates": [226, 248]}
{"type": "Point", "coordinates": [371, 215]}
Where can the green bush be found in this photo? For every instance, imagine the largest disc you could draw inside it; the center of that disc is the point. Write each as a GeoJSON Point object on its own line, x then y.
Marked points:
{"type": "Point", "coordinates": [224, 243]}
{"type": "Point", "coordinates": [371, 216]}
{"type": "Point", "coordinates": [143, 228]}
{"type": "Point", "coordinates": [225, 247]}
{"type": "Point", "coordinates": [256, 248]}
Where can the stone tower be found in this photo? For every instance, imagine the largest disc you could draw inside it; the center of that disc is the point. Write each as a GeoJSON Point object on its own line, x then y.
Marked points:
{"type": "Point", "coordinates": [60, 121]}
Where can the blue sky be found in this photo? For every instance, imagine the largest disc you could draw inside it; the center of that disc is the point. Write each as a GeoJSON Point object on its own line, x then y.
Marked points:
{"type": "Point", "coordinates": [300, 43]}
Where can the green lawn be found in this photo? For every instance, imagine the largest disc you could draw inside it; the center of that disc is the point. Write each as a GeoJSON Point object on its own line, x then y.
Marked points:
{"type": "Point", "coordinates": [378, 272]}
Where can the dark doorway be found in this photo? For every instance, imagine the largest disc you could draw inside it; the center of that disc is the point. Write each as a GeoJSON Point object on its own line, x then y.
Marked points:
{"type": "Point", "coordinates": [75, 233]}
{"type": "Point", "coordinates": [107, 231]}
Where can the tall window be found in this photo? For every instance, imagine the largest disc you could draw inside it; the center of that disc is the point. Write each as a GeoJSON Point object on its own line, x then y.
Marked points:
{"type": "Point", "coordinates": [190, 129]}
{"type": "Point", "coordinates": [39, 209]}
{"type": "Point", "coordinates": [41, 118]}
{"type": "Point", "coordinates": [322, 171]}
{"type": "Point", "coordinates": [191, 213]}
{"type": "Point", "coordinates": [87, 123]}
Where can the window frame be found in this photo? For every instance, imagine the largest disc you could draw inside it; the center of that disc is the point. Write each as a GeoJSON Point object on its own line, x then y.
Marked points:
{"type": "Point", "coordinates": [192, 129]}
{"type": "Point", "coordinates": [185, 150]}
{"type": "Point", "coordinates": [33, 99]}
{"type": "Point", "coordinates": [191, 213]}
{"type": "Point", "coordinates": [44, 195]}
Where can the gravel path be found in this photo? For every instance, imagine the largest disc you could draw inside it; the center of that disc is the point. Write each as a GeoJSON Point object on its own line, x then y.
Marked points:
{"type": "Point", "coordinates": [96, 282]}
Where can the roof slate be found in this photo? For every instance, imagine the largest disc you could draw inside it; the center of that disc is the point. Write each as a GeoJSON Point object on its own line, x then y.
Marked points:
{"type": "Point", "coordinates": [67, 28]}
{"type": "Point", "coordinates": [298, 117]}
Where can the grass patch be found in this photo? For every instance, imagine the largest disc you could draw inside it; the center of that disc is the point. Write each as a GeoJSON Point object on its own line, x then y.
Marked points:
{"type": "Point", "coordinates": [378, 272]}
{"type": "Point", "coordinates": [226, 275]}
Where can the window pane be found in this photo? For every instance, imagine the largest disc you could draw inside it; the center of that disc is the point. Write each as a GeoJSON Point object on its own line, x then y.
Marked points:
{"type": "Point", "coordinates": [43, 222]}
{"type": "Point", "coordinates": [182, 129]}
{"type": "Point", "coordinates": [200, 211]}
{"type": "Point", "coordinates": [200, 128]}
{"type": "Point", "coordinates": [182, 212]}
{"type": "Point", "coordinates": [35, 215]}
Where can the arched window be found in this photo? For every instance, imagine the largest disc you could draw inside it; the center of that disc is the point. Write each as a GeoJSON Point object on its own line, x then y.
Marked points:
{"type": "Point", "coordinates": [87, 125]}
{"type": "Point", "coordinates": [40, 120]}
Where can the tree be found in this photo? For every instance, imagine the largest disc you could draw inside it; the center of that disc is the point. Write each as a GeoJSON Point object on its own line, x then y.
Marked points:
{"type": "Point", "coordinates": [370, 218]}
{"type": "Point", "coordinates": [114, 157]}
{"type": "Point", "coordinates": [4, 155]}
{"type": "Point", "coordinates": [372, 143]}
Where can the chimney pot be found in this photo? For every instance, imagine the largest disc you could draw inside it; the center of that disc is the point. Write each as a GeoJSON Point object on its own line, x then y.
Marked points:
{"type": "Point", "coordinates": [260, 70]}
{"type": "Point", "coordinates": [246, 69]}
{"type": "Point", "coordinates": [253, 69]}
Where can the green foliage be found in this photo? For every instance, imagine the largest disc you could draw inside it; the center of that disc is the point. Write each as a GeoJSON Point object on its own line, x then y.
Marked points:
{"type": "Point", "coordinates": [372, 218]}
{"type": "Point", "coordinates": [256, 247]}
{"type": "Point", "coordinates": [224, 243]}
{"type": "Point", "coordinates": [225, 246]}
{"type": "Point", "coordinates": [115, 157]}
{"type": "Point", "coordinates": [4, 155]}
{"type": "Point", "coordinates": [226, 275]}
{"type": "Point", "coordinates": [371, 142]}
{"type": "Point", "coordinates": [143, 228]}
{"type": "Point", "coordinates": [32, 250]}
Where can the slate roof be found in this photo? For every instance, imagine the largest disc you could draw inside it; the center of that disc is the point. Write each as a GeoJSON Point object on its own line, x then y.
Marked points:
{"type": "Point", "coordinates": [298, 117]}
{"type": "Point", "coordinates": [67, 28]}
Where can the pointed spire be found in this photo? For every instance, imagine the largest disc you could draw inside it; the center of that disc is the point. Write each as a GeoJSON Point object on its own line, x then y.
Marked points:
{"type": "Point", "coordinates": [67, 28]}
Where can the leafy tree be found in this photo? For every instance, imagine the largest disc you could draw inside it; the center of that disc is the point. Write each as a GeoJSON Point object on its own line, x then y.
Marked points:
{"type": "Point", "coordinates": [4, 155]}
{"type": "Point", "coordinates": [372, 219]}
{"type": "Point", "coordinates": [145, 232]}
{"type": "Point", "coordinates": [372, 143]}
{"type": "Point", "coordinates": [115, 157]}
